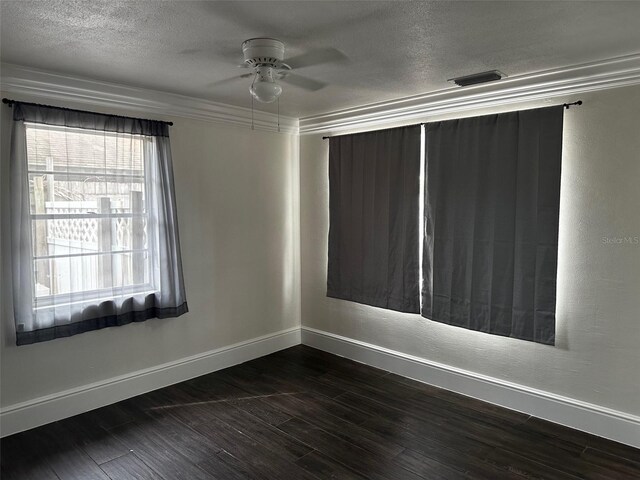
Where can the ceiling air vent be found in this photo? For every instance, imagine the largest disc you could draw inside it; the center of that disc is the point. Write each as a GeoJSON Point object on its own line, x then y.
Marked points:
{"type": "Point", "coordinates": [476, 78]}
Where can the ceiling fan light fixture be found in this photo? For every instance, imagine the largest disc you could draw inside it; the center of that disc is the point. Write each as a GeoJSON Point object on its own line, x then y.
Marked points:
{"type": "Point", "coordinates": [264, 88]}
{"type": "Point", "coordinates": [266, 92]}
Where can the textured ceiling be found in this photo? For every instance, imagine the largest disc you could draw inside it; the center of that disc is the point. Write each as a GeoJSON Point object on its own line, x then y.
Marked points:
{"type": "Point", "coordinates": [391, 49]}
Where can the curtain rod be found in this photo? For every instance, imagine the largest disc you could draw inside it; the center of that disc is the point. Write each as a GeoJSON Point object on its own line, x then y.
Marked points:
{"type": "Point", "coordinates": [11, 102]}
{"type": "Point", "coordinates": [565, 105]}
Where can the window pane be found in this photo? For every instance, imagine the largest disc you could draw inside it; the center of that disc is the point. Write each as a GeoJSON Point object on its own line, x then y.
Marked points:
{"type": "Point", "coordinates": [87, 198]}
{"type": "Point", "coordinates": [83, 151]}
{"type": "Point", "coordinates": [65, 193]}
{"type": "Point", "coordinates": [90, 272]}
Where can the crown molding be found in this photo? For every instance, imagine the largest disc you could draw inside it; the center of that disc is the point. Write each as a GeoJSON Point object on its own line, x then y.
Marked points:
{"type": "Point", "coordinates": [47, 86]}
{"type": "Point", "coordinates": [543, 85]}
{"type": "Point", "coordinates": [604, 74]}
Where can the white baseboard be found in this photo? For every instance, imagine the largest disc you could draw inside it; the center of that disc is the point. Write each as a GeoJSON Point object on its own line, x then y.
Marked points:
{"type": "Point", "coordinates": [47, 409]}
{"type": "Point", "coordinates": [594, 419]}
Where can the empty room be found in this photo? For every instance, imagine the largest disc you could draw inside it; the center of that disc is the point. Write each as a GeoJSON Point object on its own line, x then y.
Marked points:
{"type": "Point", "coordinates": [349, 240]}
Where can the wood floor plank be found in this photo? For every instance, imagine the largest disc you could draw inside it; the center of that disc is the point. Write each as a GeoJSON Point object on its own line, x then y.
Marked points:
{"type": "Point", "coordinates": [33, 445]}
{"type": "Point", "coordinates": [320, 413]}
{"type": "Point", "coordinates": [352, 456]}
{"type": "Point", "coordinates": [412, 431]}
{"type": "Point", "coordinates": [510, 436]}
{"type": "Point", "coordinates": [305, 355]}
{"type": "Point", "coordinates": [312, 404]}
{"type": "Point", "coordinates": [158, 403]}
{"type": "Point", "coordinates": [264, 434]}
{"type": "Point", "coordinates": [456, 452]}
{"type": "Point", "coordinates": [412, 402]}
{"type": "Point", "coordinates": [51, 447]}
{"type": "Point", "coordinates": [27, 470]}
{"type": "Point", "coordinates": [173, 454]}
{"type": "Point", "coordinates": [613, 448]}
{"type": "Point", "coordinates": [253, 382]}
{"type": "Point", "coordinates": [272, 365]}
{"type": "Point", "coordinates": [629, 467]}
{"type": "Point", "coordinates": [376, 408]}
{"type": "Point", "coordinates": [302, 382]}
{"type": "Point", "coordinates": [110, 416]}
{"type": "Point", "coordinates": [556, 456]}
{"type": "Point", "coordinates": [129, 467]}
{"type": "Point", "coordinates": [555, 453]}
{"type": "Point", "coordinates": [209, 387]}
{"type": "Point", "coordinates": [325, 467]}
{"type": "Point", "coordinates": [321, 409]}
{"type": "Point", "coordinates": [258, 460]}
{"type": "Point", "coordinates": [463, 401]}
{"type": "Point", "coordinates": [583, 438]}
{"type": "Point", "coordinates": [524, 466]}
{"type": "Point", "coordinates": [75, 465]}
{"type": "Point", "coordinates": [261, 410]}
{"type": "Point", "coordinates": [427, 467]}
{"type": "Point", "coordinates": [189, 412]}
{"type": "Point", "coordinates": [96, 441]}
{"type": "Point", "coordinates": [225, 466]}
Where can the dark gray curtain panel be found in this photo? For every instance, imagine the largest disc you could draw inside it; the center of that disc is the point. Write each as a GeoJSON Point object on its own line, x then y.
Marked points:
{"type": "Point", "coordinates": [492, 195]}
{"type": "Point", "coordinates": [374, 188]}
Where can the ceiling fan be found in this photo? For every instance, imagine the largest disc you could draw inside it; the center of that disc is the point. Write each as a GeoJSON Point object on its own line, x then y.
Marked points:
{"type": "Point", "coordinates": [265, 56]}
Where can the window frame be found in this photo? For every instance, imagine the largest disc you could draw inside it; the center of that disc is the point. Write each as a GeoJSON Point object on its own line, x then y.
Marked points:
{"type": "Point", "coordinates": [92, 296]}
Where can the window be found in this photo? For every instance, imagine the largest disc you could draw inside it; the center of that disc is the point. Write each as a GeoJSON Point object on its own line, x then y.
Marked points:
{"type": "Point", "coordinates": [88, 216]}
{"type": "Point", "coordinates": [94, 233]}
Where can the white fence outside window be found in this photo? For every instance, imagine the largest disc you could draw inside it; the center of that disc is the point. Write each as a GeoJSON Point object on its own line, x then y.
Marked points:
{"type": "Point", "coordinates": [94, 244]}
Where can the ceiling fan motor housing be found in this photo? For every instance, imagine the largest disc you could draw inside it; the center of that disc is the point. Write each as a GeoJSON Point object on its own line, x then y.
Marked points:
{"type": "Point", "coordinates": [263, 51]}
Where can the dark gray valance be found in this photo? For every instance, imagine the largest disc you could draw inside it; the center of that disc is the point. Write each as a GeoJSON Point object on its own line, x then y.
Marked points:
{"type": "Point", "coordinates": [108, 315]}
{"type": "Point", "coordinates": [492, 196]}
{"type": "Point", "coordinates": [65, 117]}
{"type": "Point", "coordinates": [374, 188]}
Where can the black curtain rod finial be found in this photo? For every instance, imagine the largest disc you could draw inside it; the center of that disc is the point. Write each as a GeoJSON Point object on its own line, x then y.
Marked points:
{"type": "Point", "coordinates": [567, 105]}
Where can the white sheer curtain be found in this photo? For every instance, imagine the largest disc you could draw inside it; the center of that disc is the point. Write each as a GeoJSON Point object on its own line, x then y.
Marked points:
{"type": "Point", "coordinates": [94, 235]}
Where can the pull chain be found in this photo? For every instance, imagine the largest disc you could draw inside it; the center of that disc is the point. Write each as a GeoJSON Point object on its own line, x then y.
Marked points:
{"type": "Point", "coordinates": [278, 114]}
{"type": "Point", "coordinates": [254, 81]}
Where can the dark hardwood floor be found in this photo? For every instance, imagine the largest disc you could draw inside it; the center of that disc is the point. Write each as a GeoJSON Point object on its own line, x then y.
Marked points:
{"type": "Point", "coordinates": [305, 414]}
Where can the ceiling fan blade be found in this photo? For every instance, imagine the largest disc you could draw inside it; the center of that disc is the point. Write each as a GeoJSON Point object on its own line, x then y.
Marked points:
{"type": "Point", "coordinates": [229, 80]}
{"type": "Point", "coordinates": [316, 57]}
{"type": "Point", "coordinates": [303, 82]}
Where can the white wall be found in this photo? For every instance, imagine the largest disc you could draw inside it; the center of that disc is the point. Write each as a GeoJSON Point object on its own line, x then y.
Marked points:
{"type": "Point", "coordinates": [597, 355]}
{"type": "Point", "coordinates": [237, 196]}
